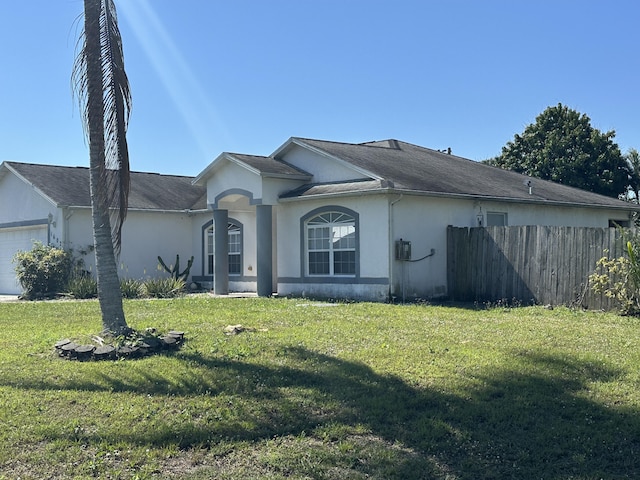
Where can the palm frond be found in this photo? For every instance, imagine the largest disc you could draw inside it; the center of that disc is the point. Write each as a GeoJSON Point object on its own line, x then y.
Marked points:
{"type": "Point", "coordinates": [105, 107]}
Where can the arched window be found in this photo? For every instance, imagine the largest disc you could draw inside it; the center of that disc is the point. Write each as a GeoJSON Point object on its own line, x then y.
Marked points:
{"type": "Point", "coordinates": [235, 247]}
{"type": "Point", "coordinates": [331, 243]}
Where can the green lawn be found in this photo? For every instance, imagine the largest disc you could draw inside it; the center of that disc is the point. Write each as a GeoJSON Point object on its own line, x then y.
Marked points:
{"type": "Point", "coordinates": [324, 391]}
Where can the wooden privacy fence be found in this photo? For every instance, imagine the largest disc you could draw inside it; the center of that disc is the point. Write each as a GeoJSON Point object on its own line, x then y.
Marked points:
{"type": "Point", "coordinates": [529, 264]}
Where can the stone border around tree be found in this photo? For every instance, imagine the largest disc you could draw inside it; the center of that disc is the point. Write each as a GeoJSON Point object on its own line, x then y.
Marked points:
{"type": "Point", "coordinates": [144, 345]}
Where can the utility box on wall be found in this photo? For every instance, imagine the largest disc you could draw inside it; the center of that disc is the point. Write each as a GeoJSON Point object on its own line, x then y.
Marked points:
{"type": "Point", "coordinates": [403, 250]}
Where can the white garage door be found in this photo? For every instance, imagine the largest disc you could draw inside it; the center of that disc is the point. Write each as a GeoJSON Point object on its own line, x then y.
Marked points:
{"type": "Point", "coordinates": [12, 240]}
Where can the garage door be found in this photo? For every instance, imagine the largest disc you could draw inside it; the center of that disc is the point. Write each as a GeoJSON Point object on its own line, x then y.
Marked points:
{"type": "Point", "coordinates": [11, 241]}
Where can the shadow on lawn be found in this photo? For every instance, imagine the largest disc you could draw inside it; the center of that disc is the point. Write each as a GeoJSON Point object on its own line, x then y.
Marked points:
{"type": "Point", "coordinates": [511, 426]}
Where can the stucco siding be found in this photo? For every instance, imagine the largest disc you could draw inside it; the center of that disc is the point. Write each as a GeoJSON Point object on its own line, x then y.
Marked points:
{"type": "Point", "coordinates": [423, 221]}
{"type": "Point", "coordinates": [198, 246]}
{"type": "Point", "coordinates": [233, 178]}
{"type": "Point", "coordinates": [25, 202]}
{"type": "Point", "coordinates": [336, 291]}
{"type": "Point", "coordinates": [272, 188]}
{"type": "Point", "coordinates": [323, 168]}
{"type": "Point", "coordinates": [145, 235]}
{"type": "Point", "coordinates": [519, 214]}
{"type": "Point", "coordinates": [249, 248]}
{"type": "Point", "coordinates": [246, 217]}
{"type": "Point", "coordinates": [24, 218]}
{"type": "Point", "coordinates": [79, 235]}
{"type": "Point", "coordinates": [373, 235]}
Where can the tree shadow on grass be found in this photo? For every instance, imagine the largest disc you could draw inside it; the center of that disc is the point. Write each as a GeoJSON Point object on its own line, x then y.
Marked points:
{"type": "Point", "coordinates": [511, 425]}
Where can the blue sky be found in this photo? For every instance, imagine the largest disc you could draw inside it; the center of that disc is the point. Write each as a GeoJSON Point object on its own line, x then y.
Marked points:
{"type": "Point", "coordinates": [209, 76]}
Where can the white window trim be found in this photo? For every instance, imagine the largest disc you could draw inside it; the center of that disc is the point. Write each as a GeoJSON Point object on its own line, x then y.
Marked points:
{"type": "Point", "coordinates": [235, 230]}
{"type": "Point", "coordinates": [496, 215]}
{"type": "Point", "coordinates": [332, 225]}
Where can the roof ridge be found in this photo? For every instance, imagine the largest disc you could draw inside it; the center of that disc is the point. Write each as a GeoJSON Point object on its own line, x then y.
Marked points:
{"type": "Point", "coordinates": [369, 144]}
{"type": "Point", "coordinates": [80, 167]}
{"type": "Point", "coordinates": [249, 155]}
{"type": "Point", "coordinates": [326, 141]}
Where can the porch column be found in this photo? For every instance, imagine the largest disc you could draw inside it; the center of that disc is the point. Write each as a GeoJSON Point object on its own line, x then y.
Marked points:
{"type": "Point", "coordinates": [264, 252]}
{"type": "Point", "coordinates": [221, 252]}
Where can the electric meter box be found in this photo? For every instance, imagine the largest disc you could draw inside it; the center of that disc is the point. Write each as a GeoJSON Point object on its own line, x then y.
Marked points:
{"type": "Point", "coordinates": [403, 250]}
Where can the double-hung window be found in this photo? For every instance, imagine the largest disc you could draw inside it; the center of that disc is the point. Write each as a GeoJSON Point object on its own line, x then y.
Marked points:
{"type": "Point", "coordinates": [331, 244]}
{"type": "Point", "coordinates": [209, 242]}
{"type": "Point", "coordinates": [235, 248]}
{"type": "Point", "coordinates": [496, 219]}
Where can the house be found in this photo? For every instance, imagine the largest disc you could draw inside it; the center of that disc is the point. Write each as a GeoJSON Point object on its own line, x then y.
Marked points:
{"type": "Point", "coordinates": [315, 218]}
{"type": "Point", "coordinates": [52, 204]}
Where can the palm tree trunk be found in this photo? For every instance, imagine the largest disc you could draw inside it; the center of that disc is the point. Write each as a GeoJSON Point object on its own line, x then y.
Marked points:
{"type": "Point", "coordinates": [109, 293]}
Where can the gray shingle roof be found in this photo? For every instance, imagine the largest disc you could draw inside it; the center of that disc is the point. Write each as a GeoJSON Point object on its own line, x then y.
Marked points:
{"type": "Point", "coordinates": [269, 166]}
{"type": "Point", "coordinates": [392, 165]}
{"type": "Point", "coordinates": [69, 186]}
{"type": "Point", "coordinates": [407, 167]}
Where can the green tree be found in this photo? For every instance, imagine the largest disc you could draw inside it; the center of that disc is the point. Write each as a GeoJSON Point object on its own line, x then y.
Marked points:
{"type": "Point", "coordinates": [103, 90]}
{"type": "Point", "coordinates": [632, 157]}
{"type": "Point", "coordinates": [563, 147]}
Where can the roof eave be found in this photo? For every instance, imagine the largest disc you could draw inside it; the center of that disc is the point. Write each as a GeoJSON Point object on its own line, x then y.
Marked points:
{"type": "Point", "coordinates": [286, 176]}
{"type": "Point", "coordinates": [400, 191]}
{"type": "Point", "coordinates": [203, 176]}
{"type": "Point", "coordinates": [532, 201]}
{"type": "Point", "coordinates": [350, 193]}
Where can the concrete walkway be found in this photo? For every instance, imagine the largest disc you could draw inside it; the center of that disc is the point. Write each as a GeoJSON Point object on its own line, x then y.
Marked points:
{"type": "Point", "coordinates": [8, 298]}
{"type": "Point", "coordinates": [15, 298]}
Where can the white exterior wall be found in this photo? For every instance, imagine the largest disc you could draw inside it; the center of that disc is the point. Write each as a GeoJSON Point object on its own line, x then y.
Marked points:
{"type": "Point", "coordinates": [145, 235]}
{"type": "Point", "coordinates": [423, 221]}
{"type": "Point", "coordinates": [197, 242]}
{"type": "Point", "coordinates": [272, 188]}
{"type": "Point", "coordinates": [21, 202]}
{"type": "Point", "coordinates": [247, 217]}
{"type": "Point", "coordinates": [247, 280]}
{"type": "Point", "coordinates": [323, 168]}
{"type": "Point", "coordinates": [519, 214]}
{"type": "Point", "coordinates": [233, 176]}
{"type": "Point", "coordinates": [78, 235]}
{"type": "Point", "coordinates": [24, 218]}
{"type": "Point", "coordinates": [373, 253]}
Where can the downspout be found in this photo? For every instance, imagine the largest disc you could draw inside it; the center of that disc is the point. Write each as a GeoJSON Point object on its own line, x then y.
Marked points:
{"type": "Point", "coordinates": [49, 223]}
{"type": "Point", "coordinates": [391, 249]}
{"type": "Point", "coordinates": [66, 215]}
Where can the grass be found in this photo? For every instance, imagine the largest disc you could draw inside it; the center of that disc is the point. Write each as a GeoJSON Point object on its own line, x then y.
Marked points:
{"type": "Point", "coordinates": [324, 391]}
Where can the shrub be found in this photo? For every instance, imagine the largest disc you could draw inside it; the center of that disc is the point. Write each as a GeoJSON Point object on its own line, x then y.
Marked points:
{"type": "Point", "coordinates": [82, 286]}
{"type": "Point", "coordinates": [619, 278]}
{"type": "Point", "coordinates": [163, 287]}
{"type": "Point", "coordinates": [131, 288]}
{"type": "Point", "coordinates": [42, 271]}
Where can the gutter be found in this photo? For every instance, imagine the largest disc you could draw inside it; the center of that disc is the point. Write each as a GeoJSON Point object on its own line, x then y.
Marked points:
{"type": "Point", "coordinates": [465, 196]}
{"type": "Point", "coordinates": [153, 210]}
